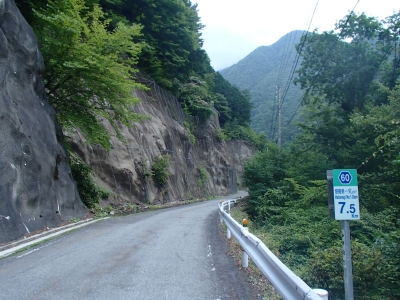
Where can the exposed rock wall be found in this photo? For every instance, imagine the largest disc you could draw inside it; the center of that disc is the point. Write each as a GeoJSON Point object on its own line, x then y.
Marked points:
{"type": "Point", "coordinates": [197, 170]}
{"type": "Point", "coordinates": [36, 185]}
{"type": "Point", "coordinates": [36, 190]}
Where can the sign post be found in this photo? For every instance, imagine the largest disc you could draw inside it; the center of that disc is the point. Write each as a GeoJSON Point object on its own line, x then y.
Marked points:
{"type": "Point", "coordinates": [347, 263]}
{"type": "Point", "coordinates": [344, 191]}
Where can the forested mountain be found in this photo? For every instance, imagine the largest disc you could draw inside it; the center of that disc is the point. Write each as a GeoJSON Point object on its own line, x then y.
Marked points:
{"type": "Point", "coordinates": [351, 116]}
{"type": "Point", "coordinates": [92, 47]}
{"type": "Point", "coordinates": [261, 72]}
{"type": "Point", "coordinates": [93, 51]}
{"type": "Point", "coordinates": [350, 88]}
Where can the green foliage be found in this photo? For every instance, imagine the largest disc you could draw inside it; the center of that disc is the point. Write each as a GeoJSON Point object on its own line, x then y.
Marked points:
{"type": "Point", "coordinates": [90, 58]}
{"type": "Point", "coordinates": [159, 168]}
{"type": "Point", "coordinates": [89, 192]}
{"type": "Point", "coordinates": [196, 99]}
{"type": "Point", "coordinates": [262, 172]}
{"type": "Point", "coordinates": [203, 176]}
{"type": "Point", "coordinates": [259, 73]}
{"type": "Point", "coordinates": [221, 136]}
{"type": "Point", "coordinates": [306, 240]}
{"type": "Point", "coordinates": [352, 118]}
{"type": "Point", "coordinates": [88, 68]}
{"type": "Point", "coordinates": [234, 131]}
{"type": "Point", "coordinates": [370, 271]}
{"type": "Point", "coordinates": [171, 37]}
{"type": "Point", "coordinates": [147, 171]}
{"type": "Point", "coordinates": [231, 103]}
{"type": "Point", "coordinates": [101, 212]}
{"type": "Point", "coordinates": [188, 126]}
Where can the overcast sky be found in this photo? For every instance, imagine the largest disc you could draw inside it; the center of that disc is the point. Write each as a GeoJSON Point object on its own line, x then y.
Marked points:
{"type": "Point", "coordinates": [234, 28]}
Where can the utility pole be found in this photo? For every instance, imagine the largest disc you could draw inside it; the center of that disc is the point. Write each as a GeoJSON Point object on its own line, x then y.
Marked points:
{"type": "Point", "coordinates": [279, 118]}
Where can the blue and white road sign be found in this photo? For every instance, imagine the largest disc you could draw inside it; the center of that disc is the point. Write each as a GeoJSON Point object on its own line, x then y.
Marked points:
{"type": "Point", "coordinates": [345, 194]}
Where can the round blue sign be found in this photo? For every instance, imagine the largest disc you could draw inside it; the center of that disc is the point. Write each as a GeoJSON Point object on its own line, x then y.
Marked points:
{"type": "Point", "coordinates": [345, 177]}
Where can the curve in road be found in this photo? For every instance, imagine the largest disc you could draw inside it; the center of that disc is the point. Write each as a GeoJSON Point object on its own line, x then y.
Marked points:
{"type": "Point", "coordinates": [175, 253]}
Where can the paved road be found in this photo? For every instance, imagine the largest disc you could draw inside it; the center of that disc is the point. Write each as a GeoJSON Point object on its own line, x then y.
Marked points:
{"type": "Point", "coordinates": [175, 253]}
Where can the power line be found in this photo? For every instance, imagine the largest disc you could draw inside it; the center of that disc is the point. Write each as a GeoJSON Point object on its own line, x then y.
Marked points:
{"type": "Point", "coordinates": [282, 70]}
{"type": "Point", "coordinates": [285, 57]}
{"type": "Point", "coordinates": [278, 79]}
{"type": "Point", "coordinates": [294, 66]}
{"type": "Point", "coordinates": [298, 55]}
{"type": "Point", "coordinates": [292, 72]}
{"type": "Point", "coordinates": [324, 63]}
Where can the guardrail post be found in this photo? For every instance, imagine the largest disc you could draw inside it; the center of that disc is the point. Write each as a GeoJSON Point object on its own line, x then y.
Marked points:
{"type": "Point", "coordinates": [245, 260]}
{"type": "Point", "coordinates": [245, 256]}
{"type": "Point", "coordinates": [228, 233]}
{"type": "Point", "coordinates": [322, 293]}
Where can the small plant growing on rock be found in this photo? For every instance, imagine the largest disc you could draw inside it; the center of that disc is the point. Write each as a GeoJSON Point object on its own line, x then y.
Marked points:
{"type": "Point", "coordinates": [101, 212]}
{"type": "Point", "coordinates": [221, 136]}
{"type": "Point", "coordinates": [159, 168]}
{"type": "Point", "coordinates": [146, 168]}
{"type": "Point", "coordinates": [89, 192]}
{"type": "Point", "coordinates": [201, 182]}
{"type": "Point", "coordinates": [188, 127]}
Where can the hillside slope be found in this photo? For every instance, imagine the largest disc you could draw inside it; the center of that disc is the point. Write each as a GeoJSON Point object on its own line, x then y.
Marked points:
{"type": "Point", "coordinates": [37, 184]}
{"type": "Point", "coordinates": [260, 72]}
{"type": "Point", "coordinates": [196, 170]}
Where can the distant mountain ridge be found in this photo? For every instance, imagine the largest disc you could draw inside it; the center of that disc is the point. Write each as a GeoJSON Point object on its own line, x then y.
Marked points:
{"type": "Point", "coordinates": [260, 72]}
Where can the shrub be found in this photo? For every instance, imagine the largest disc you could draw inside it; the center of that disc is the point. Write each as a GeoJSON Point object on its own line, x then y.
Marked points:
{"type": "Point", "coordinates": [159, 168]}
{"type": "Point", "coordinates": [201, 182]}
{"type": "Point", "coordinates": [89, 192]}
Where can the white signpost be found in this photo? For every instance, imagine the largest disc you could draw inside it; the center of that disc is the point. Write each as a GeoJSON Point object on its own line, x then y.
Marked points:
{"type": "Point", "coordinates": [343, 188]}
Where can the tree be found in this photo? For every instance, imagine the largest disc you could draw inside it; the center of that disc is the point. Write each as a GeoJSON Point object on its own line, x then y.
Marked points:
{"type": "Point", "coordinates": [391, 39]}
{"type": "Point", "coordinates": [337, 71]}
{"type": "Point", "coordinates": [351, 119]}
{"type": "Point", "coordinates": [171, 37]}
{"type": "Point", "coordinates": [238, 101]}
{"type": "Point", "coordinates": [262, 173]}
{"type": "Point", "coordinates": [88, 69]}
{"type": "Point", "coordinates": [339, 74]}
{"type": "Point", "coordinates": [196, 99]}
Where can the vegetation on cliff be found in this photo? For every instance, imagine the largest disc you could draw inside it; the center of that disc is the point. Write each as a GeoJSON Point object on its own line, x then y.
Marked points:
{"type": "Point", "coordinates": [350, 77]}
{"type": "Point", "coordinates": [351, 120]}
{"type": "Point", "coordinates": [88, 69]}
{"type": "Point", "coordinates": [93, 48]}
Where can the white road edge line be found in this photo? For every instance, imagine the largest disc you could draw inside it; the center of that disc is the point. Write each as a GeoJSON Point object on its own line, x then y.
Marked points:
{"type": "Point", "coordinates": [13, 250]}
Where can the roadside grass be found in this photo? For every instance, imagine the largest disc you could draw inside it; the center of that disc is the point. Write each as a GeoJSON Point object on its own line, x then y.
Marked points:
{"type": "Point", "coordinates": [263, 287]}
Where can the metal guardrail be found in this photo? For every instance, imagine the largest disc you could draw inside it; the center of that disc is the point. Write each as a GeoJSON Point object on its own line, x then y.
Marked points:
{"type": "Point", "coordinates": [288, 285]}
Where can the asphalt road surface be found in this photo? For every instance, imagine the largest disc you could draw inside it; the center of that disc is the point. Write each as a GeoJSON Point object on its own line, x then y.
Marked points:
{"type": "Point", "coordinates": [175, 253]}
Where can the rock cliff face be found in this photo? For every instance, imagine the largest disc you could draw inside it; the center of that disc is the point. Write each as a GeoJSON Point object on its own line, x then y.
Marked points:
{"type": "Point", "coordinates": [197, 170]}
{"type": "Point", "coordinates": [36, 190]}
{"type": "Point", "coordinates": [36, 185]}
